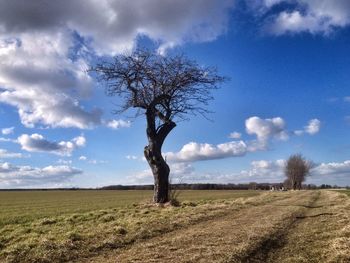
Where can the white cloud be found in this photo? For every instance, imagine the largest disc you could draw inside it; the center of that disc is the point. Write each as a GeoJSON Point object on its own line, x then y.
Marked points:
{"type": "Point", "coordinates": [259, 171]}
{"type": "Point", "coordinates": [333, 168]}
{"type": "Point", "coordinates": [26, 176]}
{"type": "Point", "coordinates": [273, 171]}
{"type": "Point", "coordinates": [331, 173]}
{"type": "Point", "coordinates": [37, 143]}
{"type": "Point", "coordinates": [117, 124]}
{"type": "Point", "coordinates": [82, 158]}
{"type": "Point", "coordinates": [203, 151]}
{"type": "Point", "coordinates": [44, 55]}
{"type": "Point", "coordinates": [313, 126]}
{"type": "Point", "coordinates": [118, 23]}
{"type": "Point", "coordinates": [235, 135]}
{"type": "Point", "coordinates": [79, 141]}
{"type": "Point", "coordinates": [313, 16]}
{"type": "Point", "coordinates": [7, 131]}
{"type": "Point", "coordinates": [347, 99]}
{"type": "Point", "coordinates": [265, 129]}
{"type": "Point", "coordinates": [5, 154]}
{"type": "Point", "coordinates": [295, 22]}
{"type": "Point", "coordinates": [43, 83]}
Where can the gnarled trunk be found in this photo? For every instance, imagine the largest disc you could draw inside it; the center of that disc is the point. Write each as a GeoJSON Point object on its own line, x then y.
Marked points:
{"type": "Point", "coordinates": [153, 155]}
{"type": "Point", "coordinates": [160, 171]}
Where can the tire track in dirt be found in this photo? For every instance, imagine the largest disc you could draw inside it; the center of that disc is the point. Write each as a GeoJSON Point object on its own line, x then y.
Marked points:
{"type": "Point", "coordinates": [311, 236]}
{"type": "Point", "coordinates": [228, 238]}
{"type": "Point", "coordinates": [277, 240]}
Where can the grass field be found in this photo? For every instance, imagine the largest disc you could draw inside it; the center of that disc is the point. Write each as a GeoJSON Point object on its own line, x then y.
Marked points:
{"type": "Point", "coordinates": [345, 192]}
{"type": "Point", "coordinates": [39, 225]}
{"type": "Point", "coordinates": [26, 206]}
{"type": "Point", "coordinates": [214, 226]}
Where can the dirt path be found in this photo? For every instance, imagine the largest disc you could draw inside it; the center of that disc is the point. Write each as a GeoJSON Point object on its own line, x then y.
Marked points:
{"type": "Point", "coordinates": [310, 226]}
{"type": "Point", "coordinates": [321, 234]}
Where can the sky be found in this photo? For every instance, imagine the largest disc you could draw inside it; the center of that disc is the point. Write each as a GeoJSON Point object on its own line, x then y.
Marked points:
{"type": "Point", "coordinates": [287, 61]}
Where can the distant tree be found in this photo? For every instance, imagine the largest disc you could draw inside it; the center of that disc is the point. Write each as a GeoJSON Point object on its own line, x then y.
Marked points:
{"type": "Point", "coordinates": [296, 170]}
{"type": "Point", "coordinates": [252, 186]}
{"type": "Point", "coordinates": [165, 90]}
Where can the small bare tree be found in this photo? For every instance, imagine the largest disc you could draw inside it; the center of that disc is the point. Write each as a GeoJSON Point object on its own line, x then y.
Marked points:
{"type": "Point", "coordinates": [164, 89]}
{"type": "Point", "coordinates": [296, 170]}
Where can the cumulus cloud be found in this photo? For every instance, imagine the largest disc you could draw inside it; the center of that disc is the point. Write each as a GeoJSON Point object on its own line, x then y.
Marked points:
{"type": "Point", "coordinates": [313, 127]}
{"type": "Point", "coordinates": [44, 54]}
{"type": "Point", "coordinates": [333, 168]}
{"type": "Point", "coordinates": [313, 16]}
{"type": "Point", "coordinates": [273, 171]}
{"type": "Point", "coordinates": [79, 141]}
{"type": "Point", "coordinates": [26, 176]}
{"type": "Point", "coordinates": [37, 143]}
{"type": "Point", "coordinates": [43, 83]}
{"type": "Point", "coordinates": [259, 171]}
{"type": "Point", "coordinates": [203, 151]}
{"type": "Point", "coordinates": [265, 129]}
{"type": "Point", "coordinates": [117, 124]}
{"type": "Point", "coordinates": [7, 131]}
{"type": "Point", "coordinates": [117, 24]}
{"type": "Point", "coordinates": [6, 154]}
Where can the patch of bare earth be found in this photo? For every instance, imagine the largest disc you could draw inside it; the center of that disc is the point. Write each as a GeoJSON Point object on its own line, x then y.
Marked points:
{"type": "Point", "coordinates": [305, 226]}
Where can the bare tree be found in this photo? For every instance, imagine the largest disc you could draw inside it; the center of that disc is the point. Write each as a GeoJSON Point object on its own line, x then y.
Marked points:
{"type": "Point", "coordinates": [165, 90]}
{"type": "Point", "coordinates": [296, 170]}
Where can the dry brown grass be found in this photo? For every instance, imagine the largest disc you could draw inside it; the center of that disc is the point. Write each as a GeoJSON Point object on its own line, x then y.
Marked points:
{"type": "Point", "coordinates": [63, 238]}
{"type": "Point", "coordinates": [301, 226]}
{"type": "Point", "coordinates": [306, 226]}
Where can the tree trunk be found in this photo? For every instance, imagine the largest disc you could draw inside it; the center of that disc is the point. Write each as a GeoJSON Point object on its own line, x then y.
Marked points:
{"type": "Point", "coordinates": [160, 171]}
{"type": "Point", "coordinates": [153, 154]}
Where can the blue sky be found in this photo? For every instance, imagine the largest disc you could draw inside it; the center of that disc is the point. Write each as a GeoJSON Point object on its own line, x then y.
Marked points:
{"type": "Point", "coordinates": [289, 68]}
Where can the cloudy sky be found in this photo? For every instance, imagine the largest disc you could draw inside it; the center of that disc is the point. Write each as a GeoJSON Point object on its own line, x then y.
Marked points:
{"type": "Point", "coordinates": [289, 67]}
